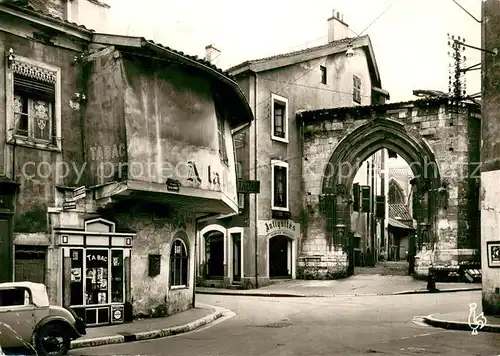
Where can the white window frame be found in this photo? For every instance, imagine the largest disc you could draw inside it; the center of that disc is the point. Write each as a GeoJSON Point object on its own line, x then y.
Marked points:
{"type": "Point", "coordinates": [56, 144]}
{"type": "Point", "coordinates": [278, 163]}
{"type": "Point", "coordinates": [283, 101]}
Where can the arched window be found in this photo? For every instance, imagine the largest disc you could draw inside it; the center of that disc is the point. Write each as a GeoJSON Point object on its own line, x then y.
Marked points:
{"type": "Point", "coordinates": [396, 193]}
{"type": "Point", "coordinates": [179, 259]}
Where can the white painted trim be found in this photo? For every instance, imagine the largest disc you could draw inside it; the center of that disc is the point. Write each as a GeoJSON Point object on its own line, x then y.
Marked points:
{"type": "Point", "coordinates": [188, 253]}
{"type": "Point", "coordinates": [284, 101]}
{"type": "Point", "coordinates": [100, 220]}
{"type": "Point", "coordinates": [284, 164]}
{"type": "Point", "coordinates": [93, 233]}
{"type": "Point", "coordinates": [9, 114]}
{"type": "Point", "coordinates": [241, 231]}
{"type": "Point", "coordinates": [202, 232]}
{"type": "Point", "coordinates": [293, 241]}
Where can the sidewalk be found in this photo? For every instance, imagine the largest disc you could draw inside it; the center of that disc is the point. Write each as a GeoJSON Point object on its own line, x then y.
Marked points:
{"type": "Point", "coordinates": [460, 321]}
{"type": "Point", "coordinates": [145, 329]}
{"type": "Point", "coordinates": [357, 285]}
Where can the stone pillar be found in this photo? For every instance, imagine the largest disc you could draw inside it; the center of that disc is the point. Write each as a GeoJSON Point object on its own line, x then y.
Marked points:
{"type": "Point", "coordinates": [490, 157]}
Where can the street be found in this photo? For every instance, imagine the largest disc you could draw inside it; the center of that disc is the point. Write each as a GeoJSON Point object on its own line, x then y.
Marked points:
{"type": "Point", "coordinates": [322, 326]}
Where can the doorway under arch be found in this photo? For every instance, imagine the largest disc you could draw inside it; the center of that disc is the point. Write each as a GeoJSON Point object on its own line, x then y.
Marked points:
{"type": "Point", "coordinates": [214, 254]}
{"type": "Point", "coordinates": [280, 257]}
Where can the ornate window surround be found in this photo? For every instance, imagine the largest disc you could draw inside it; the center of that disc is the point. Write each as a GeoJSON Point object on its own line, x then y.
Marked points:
{"type": "Point", "coordinates": [36, 70]}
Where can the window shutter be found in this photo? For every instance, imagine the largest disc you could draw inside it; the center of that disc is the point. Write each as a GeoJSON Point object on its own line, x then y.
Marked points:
{"type": "Point", "coordinates": [380, 206]}
{"type": "Point", "coordinates": [366, 198]}
{"type": "Point", "coordinates": [355, 189]}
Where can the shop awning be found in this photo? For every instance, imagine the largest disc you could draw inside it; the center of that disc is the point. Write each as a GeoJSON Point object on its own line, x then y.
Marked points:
{"type": "Point", "coordinates": [399, 224]}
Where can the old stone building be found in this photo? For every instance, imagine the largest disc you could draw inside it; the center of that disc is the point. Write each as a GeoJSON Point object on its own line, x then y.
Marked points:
{"type": "Point", "coordinates": [263, 242]}
{"type": "Point", "coordinates": [113, 146]}
{"type": "Point", "coordinates": [490, 159]}
{"type": "Point", "coordinates": [440, 142]}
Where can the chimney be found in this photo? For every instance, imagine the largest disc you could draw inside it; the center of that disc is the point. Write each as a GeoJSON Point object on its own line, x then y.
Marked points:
{"type": "Point", "coordinates": [93, 14]}
{"type": "Point", "coordinates": [211, 53]}
{"type": "Point", "coordinates": [337, 28]}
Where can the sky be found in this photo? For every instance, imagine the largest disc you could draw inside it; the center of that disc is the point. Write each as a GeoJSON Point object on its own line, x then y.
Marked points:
{"type": "Point", "coordinates": [409, 36]}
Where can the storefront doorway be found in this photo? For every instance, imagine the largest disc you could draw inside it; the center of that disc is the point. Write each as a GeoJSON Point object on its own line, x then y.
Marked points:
{"type": "Point", "coordinates": [280, 264]}
{"type": "Point", "coordinates": [236, 257]}
{"type": "Point", "coordinates": [96, 272]}
{"type": "Point", "coordinates": [214, 254]}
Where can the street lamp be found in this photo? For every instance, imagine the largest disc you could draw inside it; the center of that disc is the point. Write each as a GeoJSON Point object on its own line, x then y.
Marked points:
{"type": "Point", "coordinates": [350, 52]}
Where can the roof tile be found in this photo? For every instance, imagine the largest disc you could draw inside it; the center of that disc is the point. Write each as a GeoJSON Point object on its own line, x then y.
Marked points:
{"type": "Point", "coordinates": [289, 54]}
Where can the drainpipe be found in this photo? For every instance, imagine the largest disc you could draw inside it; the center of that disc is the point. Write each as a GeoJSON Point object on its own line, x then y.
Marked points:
{"type": "Point", "coordinates": [255, 178]}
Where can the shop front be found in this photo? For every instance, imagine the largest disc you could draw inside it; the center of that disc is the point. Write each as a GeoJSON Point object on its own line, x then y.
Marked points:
{"type": "Point", "coordinates": [96, 271]}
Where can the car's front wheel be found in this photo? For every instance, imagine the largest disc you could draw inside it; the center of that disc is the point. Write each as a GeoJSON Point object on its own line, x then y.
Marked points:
{"type": "Point", "coordinates": [52, 340]}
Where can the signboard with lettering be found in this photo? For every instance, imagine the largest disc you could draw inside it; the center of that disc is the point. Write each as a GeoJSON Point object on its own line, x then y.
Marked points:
{"type": "Point", "coordinates": [79, 193]}
{"type": "Point", "coordinates": [275, 227]}
{"type": "Point", "coordinates": [68, 205]}
{"type": "Point", "coordinates": [248, 186]}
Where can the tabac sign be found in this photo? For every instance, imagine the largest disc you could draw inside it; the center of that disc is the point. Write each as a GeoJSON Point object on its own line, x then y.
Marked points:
{"type": "Point", "coordinates": [274, 227]}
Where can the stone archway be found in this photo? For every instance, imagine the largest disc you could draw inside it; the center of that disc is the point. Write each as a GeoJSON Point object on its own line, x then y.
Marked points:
{"type": "Point", "coordinates": [437, 139]}
{"type": "Point", "coordinates": [359, 145]}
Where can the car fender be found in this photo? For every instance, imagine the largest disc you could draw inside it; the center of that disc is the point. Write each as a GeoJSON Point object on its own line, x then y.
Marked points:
{"type": "Point", "coordinates": [57, 320]}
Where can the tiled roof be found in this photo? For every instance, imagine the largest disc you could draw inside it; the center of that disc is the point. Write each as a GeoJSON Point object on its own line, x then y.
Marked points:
{"type": "Point", "coordinates": [37, 8]}
{"type": "Point", "coordinates": [399, 224]}
{"type": "Point", "coordinates": [289, 54]}
{"type": "Point", "coordinates": [194, 58]}
{"type": "Point", "coordinates": [400, 212]}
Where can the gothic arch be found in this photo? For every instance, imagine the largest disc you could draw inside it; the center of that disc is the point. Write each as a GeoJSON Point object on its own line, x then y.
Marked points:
{"type": "Point", "coordinates": [396, 191]}
{"type": "Point", "coordinates": [370, 137]}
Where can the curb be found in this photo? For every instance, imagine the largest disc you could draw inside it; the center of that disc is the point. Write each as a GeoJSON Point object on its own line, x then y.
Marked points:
{"type": "Point", "coordinates": [296, 295]}
{"type": "Point", "coordinates": [458, 325]}
{"type": "Point", "coordinates": [150, 334]}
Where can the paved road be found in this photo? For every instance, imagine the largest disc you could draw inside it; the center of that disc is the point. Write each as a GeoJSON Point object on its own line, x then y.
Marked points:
{"type": "Point", "coordinates": [322, 326]}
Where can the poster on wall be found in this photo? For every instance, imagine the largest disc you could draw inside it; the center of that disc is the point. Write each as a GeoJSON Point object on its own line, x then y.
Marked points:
{"type": "Point", "coordinates": [493, 249]}
{"type": "Point", "coordinates": [76, 275]}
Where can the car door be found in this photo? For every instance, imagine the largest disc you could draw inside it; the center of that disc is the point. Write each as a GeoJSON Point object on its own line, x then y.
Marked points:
{"type": "Point", "coordinates": [17, 317]}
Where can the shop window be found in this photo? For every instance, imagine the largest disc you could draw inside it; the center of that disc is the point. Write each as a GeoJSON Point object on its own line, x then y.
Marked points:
{"type": "Point", "coordinates": [117, 276]}
{"type": "Point", "coordinates": [154, 265]}
{"type": "Point", "coordinates": [96, 281]}
{"type": "Point", "coordinates": [179, 264]}
{"type": "Point", "coordinates": [76, 283]}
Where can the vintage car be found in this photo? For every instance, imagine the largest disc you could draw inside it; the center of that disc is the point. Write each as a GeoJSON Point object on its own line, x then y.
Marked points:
{"type": "Point", "coordinates": [28, 320]}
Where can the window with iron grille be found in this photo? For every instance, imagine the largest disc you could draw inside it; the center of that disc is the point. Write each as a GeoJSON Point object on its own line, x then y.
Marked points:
{"type": "Point", "coordinates": [356, 89]}
{"type": "Point", "coordinates": [279, 119]}
{"type": "Point", "coordinates": [280, 185]}
{"type": "Point", "coordinates": [323, 74]}
{"type": "Point", "coordinates": [179, 264]}
{"type": "Point", "coordinates": [33, 115]}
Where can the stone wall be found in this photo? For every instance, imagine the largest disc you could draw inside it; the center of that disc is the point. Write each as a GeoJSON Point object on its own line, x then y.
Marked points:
{"type": "Point", "coordinates": [443, 128]}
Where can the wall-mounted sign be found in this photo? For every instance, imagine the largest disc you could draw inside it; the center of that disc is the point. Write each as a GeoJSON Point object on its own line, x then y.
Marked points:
{"type": "Point", "coordinates": [79, 193]}
{"type": "Point", "coordinates": [275, 227]}
{"type": "Point", "coordinates": [68, 205]}
{"type": "Point", "coordinates": [493, 250]}
{"type": "Point", "coordinates": [248, 186]}
{"type": "Point", "coordinates": [173, 185]}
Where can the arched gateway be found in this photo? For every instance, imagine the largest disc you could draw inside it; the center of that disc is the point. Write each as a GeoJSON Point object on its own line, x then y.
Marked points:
{"type": "Point", "coordinates": [438, 140]}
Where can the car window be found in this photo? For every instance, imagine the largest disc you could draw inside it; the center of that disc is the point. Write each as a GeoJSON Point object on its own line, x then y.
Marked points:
{"type": "Point", "coordinates": [14, 297]}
